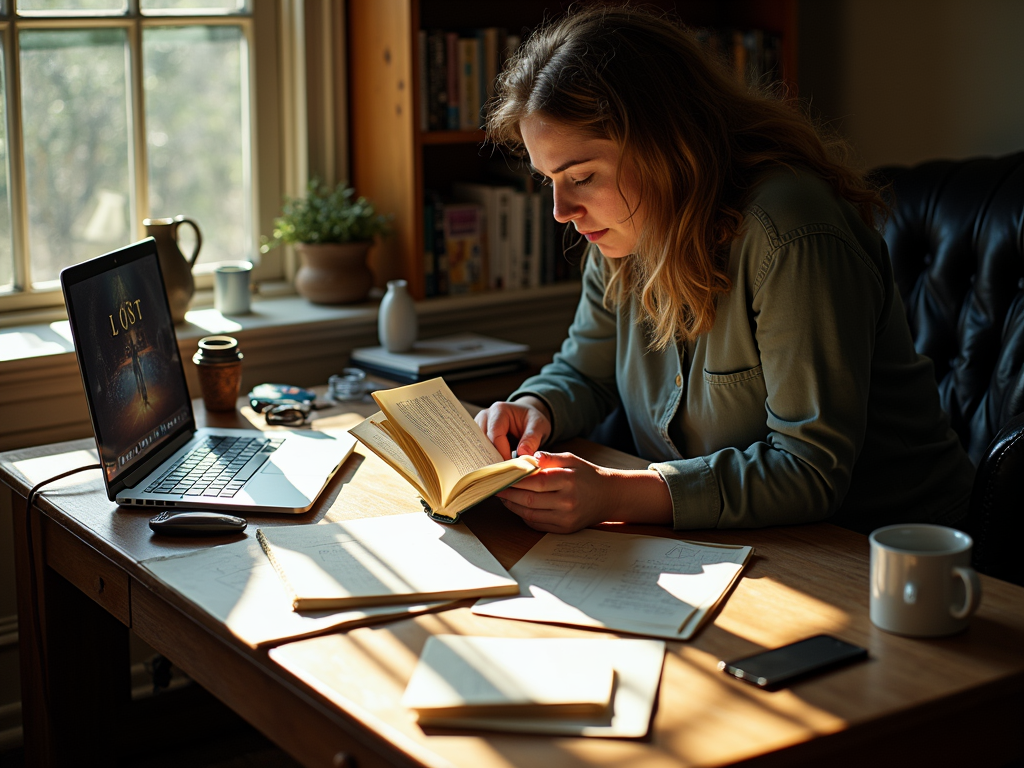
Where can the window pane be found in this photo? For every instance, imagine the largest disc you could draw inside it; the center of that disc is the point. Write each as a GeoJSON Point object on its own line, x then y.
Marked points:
{"type": "Point", "coordinates": [171, 7]}
{"type": "Point", "coordinates": [197, 132]}
{"type": "Point", "coordinates": [74, 91]}
{"type": "Point", "coordinates": [70, 7]}
{"type": "Point", "coordinates": [6, 249]}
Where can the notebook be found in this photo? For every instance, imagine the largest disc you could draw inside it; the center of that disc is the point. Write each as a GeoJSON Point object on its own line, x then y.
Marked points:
{"type": "Point", "coordinates": [151, 451]}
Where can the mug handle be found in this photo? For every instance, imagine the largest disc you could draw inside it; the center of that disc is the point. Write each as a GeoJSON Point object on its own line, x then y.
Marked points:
{"type": "Point", "coordinates": [972, 592]}
{"type": "Point", "coordinates": [179, 220]}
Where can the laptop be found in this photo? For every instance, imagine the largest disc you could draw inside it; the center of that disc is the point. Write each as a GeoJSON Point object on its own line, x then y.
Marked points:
{"type": "Point", "coordinates": [150, 449]}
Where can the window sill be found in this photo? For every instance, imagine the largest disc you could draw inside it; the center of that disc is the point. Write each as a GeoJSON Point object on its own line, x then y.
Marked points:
{"type": "Point", "coordinates": [284, 339]}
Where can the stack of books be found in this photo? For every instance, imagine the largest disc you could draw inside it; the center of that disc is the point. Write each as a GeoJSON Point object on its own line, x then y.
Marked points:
{"type": "Point", "coordinates": [454, 358]}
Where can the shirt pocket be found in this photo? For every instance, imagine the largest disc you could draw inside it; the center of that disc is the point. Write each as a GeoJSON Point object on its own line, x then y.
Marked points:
{"type": "Point", "coordinates": [734, 409]}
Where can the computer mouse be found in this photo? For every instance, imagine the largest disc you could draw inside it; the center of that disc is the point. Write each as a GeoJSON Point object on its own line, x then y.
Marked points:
{"type": "Point", "coordinates": [196, 523]}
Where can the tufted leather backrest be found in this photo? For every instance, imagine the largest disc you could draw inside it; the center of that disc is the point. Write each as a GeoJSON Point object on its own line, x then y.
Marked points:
{"type": "Point", "coordinates": [956, 240]}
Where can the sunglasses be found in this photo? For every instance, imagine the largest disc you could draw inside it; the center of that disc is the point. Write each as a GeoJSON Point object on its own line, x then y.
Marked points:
{"type": "Point", "coordinates": [287, 412]}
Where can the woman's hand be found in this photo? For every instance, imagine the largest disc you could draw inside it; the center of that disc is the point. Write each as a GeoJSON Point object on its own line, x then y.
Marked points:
{"type": "Point", "coordinates": [568, 494]}
{"type": "Point", "coordinates": [526, 420]}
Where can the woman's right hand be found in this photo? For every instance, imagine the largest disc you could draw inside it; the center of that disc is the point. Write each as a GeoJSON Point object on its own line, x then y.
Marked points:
{"type": "Point", "coordinates": [526, 420]}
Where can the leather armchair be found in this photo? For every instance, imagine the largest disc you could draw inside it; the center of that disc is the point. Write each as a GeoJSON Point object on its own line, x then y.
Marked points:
{"type": "Point", "coordinates": [956, 240]}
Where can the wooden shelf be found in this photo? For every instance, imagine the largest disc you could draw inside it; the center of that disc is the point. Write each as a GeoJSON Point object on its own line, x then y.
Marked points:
{"type": "Point", "coordinates": [387, 146]}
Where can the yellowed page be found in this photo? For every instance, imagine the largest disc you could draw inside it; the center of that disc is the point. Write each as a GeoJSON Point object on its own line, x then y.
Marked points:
{"type": "Point", "coordinates": [371, 434]}
{"type": "Point", "coordinates": [436, 421]}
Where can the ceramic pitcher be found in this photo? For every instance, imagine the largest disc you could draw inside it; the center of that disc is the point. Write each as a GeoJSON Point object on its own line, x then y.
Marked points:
{"type": "Point", "coordinates": [176, 268]}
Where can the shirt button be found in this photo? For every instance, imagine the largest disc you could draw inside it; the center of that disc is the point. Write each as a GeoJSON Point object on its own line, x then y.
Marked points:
{"type": "Point", "coordinates": [679, 380]}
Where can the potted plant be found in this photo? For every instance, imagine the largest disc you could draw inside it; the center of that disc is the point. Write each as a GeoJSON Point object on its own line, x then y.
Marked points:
{"type": "Point", "coordinates": [332, 231]}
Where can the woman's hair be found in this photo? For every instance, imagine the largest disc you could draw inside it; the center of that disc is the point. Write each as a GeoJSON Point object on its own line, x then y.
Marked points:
{"type": "Point", "coordinates": [694, 138]}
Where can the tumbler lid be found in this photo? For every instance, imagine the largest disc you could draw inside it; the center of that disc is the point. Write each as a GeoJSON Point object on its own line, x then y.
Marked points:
{"type": "Point", "coordinates": [217, 349]}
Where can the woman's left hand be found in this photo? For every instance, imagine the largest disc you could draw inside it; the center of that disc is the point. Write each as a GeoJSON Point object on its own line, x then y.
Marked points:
{"type": "Point", "coordinates": [569, 493]}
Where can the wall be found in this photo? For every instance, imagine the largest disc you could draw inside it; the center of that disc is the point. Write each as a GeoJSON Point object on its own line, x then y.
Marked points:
{"type": "Point", "coordinates": [912, 80]}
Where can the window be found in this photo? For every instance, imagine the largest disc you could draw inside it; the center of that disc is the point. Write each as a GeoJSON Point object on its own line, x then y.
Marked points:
{"type": "Point", "coordinates": [112, 111]}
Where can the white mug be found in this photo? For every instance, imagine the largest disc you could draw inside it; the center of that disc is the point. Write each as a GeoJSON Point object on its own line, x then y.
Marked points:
{"type": "Point", "coordinates": [922, 584]}
{"type": "Point", "coordinates": [231, 291]}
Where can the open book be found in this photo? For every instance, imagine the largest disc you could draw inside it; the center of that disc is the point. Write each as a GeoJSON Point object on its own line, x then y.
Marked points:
{"type": "Point", "coordinates": [427, 436]}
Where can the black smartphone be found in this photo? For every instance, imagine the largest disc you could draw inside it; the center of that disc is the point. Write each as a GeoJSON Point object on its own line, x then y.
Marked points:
{"type": "Point", "coordinates": [779, 667]}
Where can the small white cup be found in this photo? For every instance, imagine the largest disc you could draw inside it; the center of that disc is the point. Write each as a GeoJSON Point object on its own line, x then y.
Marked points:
{"type": "Point", "coordinates": [231, 291]}
{"type": "Point", "coordinates": [922, 584]}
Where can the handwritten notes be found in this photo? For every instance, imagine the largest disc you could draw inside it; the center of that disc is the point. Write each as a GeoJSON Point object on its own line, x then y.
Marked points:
{"type": "Point", "coordinates": [646, 585]}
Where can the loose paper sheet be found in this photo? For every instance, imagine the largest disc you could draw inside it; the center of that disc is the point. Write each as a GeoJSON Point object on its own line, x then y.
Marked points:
{"type": "Point", "coordinates": [646, 585]}
{"type": "Point", "coordinates": [236, 584]}
{"type": "Point", "coordinates": [379, 560]}
{"type": "Point", "coordinates": [637, 664]}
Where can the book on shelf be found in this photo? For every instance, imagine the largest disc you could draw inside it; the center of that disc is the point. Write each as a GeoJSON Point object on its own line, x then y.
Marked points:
{"type": "Point", "coordinates": [443, 355]}
{"type": "Point", "coordinates": [461, 676]}
{"type": "Point", "coordinates": [751, 54]}
{"type": "Point", "coordinates": [381, 561]}
{"type": "Point", "coordinates": [495, 200]}
{"type": "Point", "coordinates": [463, 243]}
{"type": "Point", "coordinates": [645, 585]}
{"type": "Point", "coordinates": [426, 435]}
{"type": "Point", "coordinates": [469, 83]}
{"type": "Point", "coordinates": [452, 78]}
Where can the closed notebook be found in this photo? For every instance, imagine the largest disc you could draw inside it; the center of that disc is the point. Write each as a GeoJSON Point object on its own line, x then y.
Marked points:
{"type": "Point", "coordinates": [502, 677]}
{"type": "Point", "coordinates": [382, 560]}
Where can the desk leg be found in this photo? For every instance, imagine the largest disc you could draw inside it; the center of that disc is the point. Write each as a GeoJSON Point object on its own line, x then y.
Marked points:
{"type": "Point", "coordinates": [76, 683]}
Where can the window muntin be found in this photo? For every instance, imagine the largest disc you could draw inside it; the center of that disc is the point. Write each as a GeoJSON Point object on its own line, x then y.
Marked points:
{"type": "Point", "coordinates": [224, 30]}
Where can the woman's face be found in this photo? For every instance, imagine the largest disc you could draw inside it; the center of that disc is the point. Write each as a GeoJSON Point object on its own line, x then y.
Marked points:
{"type": "Point", "coordinates": [582, 171]}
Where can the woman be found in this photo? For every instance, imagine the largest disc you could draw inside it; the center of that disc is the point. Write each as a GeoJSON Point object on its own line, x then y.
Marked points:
{"type": "Point", "coordinates": [737, 302]}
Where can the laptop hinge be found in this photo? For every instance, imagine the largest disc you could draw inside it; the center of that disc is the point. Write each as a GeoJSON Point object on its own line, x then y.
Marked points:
{"type": "Point", "coordinates": [152, 462]}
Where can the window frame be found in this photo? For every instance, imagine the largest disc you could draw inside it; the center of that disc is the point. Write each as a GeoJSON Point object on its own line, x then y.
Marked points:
{"type": "Point", "coordinates": [259, 29]}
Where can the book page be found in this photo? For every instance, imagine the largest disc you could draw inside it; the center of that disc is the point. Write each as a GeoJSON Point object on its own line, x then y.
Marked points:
{"type": "Point", "coordinates": [435, 419]}
{"type": "Point", "coordinates": [373, 436]}
{"type": "Point", "coordinates": [236, 584]}
{"type": "Point", "coordinates": [381, 560]}
{"type": "Point", "coordinates": [646, 585]}
{"type": "Point", "coordinates": [504, 676]}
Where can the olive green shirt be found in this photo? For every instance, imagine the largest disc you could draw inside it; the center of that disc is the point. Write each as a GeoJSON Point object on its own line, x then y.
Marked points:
{"type": "Point", "coordinates": [806, 401]}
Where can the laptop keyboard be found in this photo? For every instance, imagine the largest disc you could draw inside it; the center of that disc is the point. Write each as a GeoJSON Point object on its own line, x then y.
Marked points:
{"type": "Point", "coordinates": [218, 466]}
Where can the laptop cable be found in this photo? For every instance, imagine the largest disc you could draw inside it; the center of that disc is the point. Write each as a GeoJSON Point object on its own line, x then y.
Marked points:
{"type": "Point", "coordinates": [32, 582]}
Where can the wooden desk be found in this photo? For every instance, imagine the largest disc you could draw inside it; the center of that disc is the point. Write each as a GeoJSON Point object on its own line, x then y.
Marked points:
{"type": "Point", "coordinates": [957, 701]}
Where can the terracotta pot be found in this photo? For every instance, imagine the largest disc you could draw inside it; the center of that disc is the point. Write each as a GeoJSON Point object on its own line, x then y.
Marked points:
{"type": "Point", "coordinates": [333, 273]}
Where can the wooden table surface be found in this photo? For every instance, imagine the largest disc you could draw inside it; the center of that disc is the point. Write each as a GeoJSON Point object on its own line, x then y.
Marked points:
{"type": "Point", "coordinates": [957, 700]}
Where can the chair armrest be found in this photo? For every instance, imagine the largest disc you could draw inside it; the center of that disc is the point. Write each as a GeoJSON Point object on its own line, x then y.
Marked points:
{"type": "Point", "coordinates": [996, 518]}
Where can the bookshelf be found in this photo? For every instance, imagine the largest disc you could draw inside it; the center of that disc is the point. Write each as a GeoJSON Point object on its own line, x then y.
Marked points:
{"type": "Point", "coordinates": [394, 161]}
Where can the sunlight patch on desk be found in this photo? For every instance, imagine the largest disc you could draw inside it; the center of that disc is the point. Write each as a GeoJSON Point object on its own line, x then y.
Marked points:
{"type": "Point", "coordinates": [801, 613]}
{"type": "Point", "coordinates": [44, 467]}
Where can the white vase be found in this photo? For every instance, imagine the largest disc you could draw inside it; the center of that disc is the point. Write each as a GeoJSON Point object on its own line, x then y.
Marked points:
{"type": "Point", "coordinates": [396, 323]}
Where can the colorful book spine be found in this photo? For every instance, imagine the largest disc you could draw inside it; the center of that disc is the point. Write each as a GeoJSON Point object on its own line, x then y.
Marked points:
{"type": "Point", "coordinates": [463, 233]}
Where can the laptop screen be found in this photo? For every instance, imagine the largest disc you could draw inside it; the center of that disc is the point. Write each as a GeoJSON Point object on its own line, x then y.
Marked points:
{"type": "Point", "coordinates": [128, 354]}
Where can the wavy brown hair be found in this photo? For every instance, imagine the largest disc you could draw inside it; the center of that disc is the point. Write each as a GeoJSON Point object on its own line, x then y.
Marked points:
{"type": "Point", "coordinates": [695, 139]}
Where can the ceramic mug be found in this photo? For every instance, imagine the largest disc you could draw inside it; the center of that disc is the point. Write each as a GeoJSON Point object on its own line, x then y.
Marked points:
{"type": "Point", "coordinates": [231, 288]}
{"type": "Point", "coordinates": [922, 584]}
